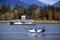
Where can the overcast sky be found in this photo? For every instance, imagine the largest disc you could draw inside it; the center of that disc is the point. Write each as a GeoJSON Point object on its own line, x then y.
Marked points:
{"type": "Point", "coordinates": [51, 2]}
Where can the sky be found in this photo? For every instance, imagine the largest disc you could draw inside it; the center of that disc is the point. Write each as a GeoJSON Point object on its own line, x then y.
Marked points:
{"type": "Point", "coordinates": [51, 2]}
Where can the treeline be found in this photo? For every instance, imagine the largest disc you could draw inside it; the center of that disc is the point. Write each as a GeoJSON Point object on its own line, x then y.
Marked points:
{"type": "Point", "coordinates": [32, 12]}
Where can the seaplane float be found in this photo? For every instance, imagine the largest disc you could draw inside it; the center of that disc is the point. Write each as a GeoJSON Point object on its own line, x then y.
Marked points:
{"type": "Point", "coordinates": [34, 32]}
{"type": "Point", "coordinates": [26, 22]}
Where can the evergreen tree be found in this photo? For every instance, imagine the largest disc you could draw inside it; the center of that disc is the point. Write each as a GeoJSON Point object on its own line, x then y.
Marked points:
{"type": "Point", "coordinates": [3, 8]}
{"type": "Point", "coordinates": [32, 9]}
{"type": "Point", "coordinates": [49, 14]}
{"type": "Point", "coordinates": [9, 8]}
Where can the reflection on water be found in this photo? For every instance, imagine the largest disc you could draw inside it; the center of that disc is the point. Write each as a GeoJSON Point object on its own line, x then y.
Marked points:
{"type": "Point", "coordinates": [19, 32]}
{"type": "Point", "coordinates": [19, 36]}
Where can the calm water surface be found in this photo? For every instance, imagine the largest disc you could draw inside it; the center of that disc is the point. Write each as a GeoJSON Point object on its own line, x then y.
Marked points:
{"type": "Point", "coordinates": [19, 32]}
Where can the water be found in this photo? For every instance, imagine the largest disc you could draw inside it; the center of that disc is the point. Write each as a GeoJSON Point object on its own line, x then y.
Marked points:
{"type": "Point", "coordinates": [19, 32]}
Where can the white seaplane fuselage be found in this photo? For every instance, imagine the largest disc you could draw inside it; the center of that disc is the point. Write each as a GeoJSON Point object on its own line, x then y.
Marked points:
{"type": "Point", "coordinates": [34, 32]}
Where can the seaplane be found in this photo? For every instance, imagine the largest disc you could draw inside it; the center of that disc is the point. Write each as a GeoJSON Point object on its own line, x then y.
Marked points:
{"type": "Point", "coordinates": [35, 31]}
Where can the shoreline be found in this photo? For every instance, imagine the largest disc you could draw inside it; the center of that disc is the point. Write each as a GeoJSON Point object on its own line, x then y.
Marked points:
{"type": "Point", "coordinates": [48, 21]}
{"type": "Point", "coordinates": [4, 21]}
{"type": "Point", "coordinates": [41, 21]}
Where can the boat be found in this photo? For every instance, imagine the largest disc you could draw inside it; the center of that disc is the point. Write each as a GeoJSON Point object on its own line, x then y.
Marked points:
{"type": "Point", "coordinates": [22, 21]}
{"type": "Point", "coordinates": [26, 22]}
